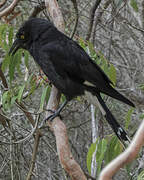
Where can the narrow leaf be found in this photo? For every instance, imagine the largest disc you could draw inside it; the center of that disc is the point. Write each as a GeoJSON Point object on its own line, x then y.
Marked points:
{"type": "Point", "coordinates": [10, 36]}
{"type": "Point", "coordinates": [128, 117]}
{"type": "Point", "coordinates": [112, 74]}
{"type": "Point", "coordinates": [141, 176]}
{"type": "Point", "coordinates": [43, 96]}
{"type": "Point", "coordinates": [5, 62]}
{"type": "Point", "coordinates": [101, 149]}
{"type": "Point", "coordinates": [26, 58]}
{"type": "Point", "coordinates": [4, 97]}
{"type": "Point", "coordinates": [134, 5]}
{"type": "Point", "coordinates": [90, 154]}
{"type": "Point", "coordinates": [113, 150]}
{"type": "Point", "coordinates": [20, 93]}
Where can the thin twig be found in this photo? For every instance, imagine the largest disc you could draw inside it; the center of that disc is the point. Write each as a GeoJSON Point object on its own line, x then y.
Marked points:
{"type": "Point", "coordinates": [9, 9]}
{"type": "Point", "coordinates": [33, 159]}
{"type": "Point", "coordinates": [2, 3]}
{"type": "Point", "coordinates": [94, 8]}
{"type": "Point", "coordinates": [76, 20]}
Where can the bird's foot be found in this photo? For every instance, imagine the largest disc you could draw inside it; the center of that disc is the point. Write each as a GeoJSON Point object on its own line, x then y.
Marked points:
{"type": "Point", "coordinates": [51, 117]}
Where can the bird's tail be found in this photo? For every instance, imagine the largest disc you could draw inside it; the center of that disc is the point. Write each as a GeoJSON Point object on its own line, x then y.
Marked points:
{"type": "Point", "coordinates": [110, 91]}
{"type": "Point", "coordinates": [98, 101]}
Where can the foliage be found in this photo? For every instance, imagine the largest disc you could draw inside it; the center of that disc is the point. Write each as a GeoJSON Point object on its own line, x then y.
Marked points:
{"type": "Point", "coordinates": [107, 148]}
{"type": "Point", "coordinates": [99, 58]}
{"type": "Point", "coordinates": [100, 146]}
{"type": "Point", "coordinates": [12, 64]}
{"type": "Point", "coordinates": [134, 5]}
{"type": "Point", "coordinates": [141, 176]}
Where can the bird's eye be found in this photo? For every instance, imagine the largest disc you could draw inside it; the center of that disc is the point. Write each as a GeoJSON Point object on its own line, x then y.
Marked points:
{"type": "Point", "coordinates": [22, 36]}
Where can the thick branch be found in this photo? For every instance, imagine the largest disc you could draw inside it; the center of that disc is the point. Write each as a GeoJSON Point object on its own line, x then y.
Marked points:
{"type": "Point", "coordinates": [55, 13]}
{"type": "Point", "coordinates": [9, 9]}
{"type": "Point", "coordinates": [38, 9]}
{"type": "Point", "coordinates": [63, 149]}
{"type": "Point", "coordinates": [57, 126]}
{"type": "Point", "coordinates": [127, 156]}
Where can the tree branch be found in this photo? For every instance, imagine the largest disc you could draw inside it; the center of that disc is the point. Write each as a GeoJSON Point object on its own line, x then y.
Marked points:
{"type": "Point", "coordinates": [57, 126]}
{"type": "Point", "coordinates": [95, 6]}
{"type": "Point", "coordinates": [126, 157]}
{"type": "Point", "coordinates": [76, 19]}
{"type": "Point", "coordinates": [38, 9]}
{"type": "Point", "coordinates": [9, 9]}
{"type": "Point", "coordinates": [2, 3]}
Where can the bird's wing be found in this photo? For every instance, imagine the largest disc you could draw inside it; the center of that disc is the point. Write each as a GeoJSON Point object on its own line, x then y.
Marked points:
{"type": "Point", "coordinates": [69, 59]}
{"type": "Point", "coordinates": [71, 64]}
{"type": "Point", "coordinates": [44, 60]}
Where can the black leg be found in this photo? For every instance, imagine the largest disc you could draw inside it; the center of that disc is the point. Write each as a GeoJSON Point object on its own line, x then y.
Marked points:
{"type": "Point", "coordinates": [55, 114]}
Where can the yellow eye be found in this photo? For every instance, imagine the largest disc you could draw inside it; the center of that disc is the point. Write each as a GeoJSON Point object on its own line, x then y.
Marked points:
{"type": "Point", "coordinates": [22, 37]}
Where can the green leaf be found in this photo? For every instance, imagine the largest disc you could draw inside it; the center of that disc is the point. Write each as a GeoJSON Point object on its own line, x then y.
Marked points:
{"type": "Point", "coordinates": [112, 74]}
{"type": "Point", "coordinates": [20, 93]}
{"type": "Point", "coordinates": [113, 150]}
{"type": "Point", "coordinates": [134, 5]}
{"type": "Point", "coordinates": [43, 96]}
{"type": "Point", "coordinates": [141, 116]}
{"type": "Point", "coordinates": [5, 62]}
{"type": "Point", "coordinates": [89, 155]}
{"type": "Point", "coordinates": [26, 58]}
{"type": "Point", "coordinates": [13, 99]}
{"type": "Point", "coordinates": [101, 149]}
{"type": "Point", "coordinates": [91, 49]}
{"type": "Point", "coordinates": [6, 100]}
{"type": "Point", "coordinates": [32, 86]}
{"type": "Point", "coordinates": [128, 117]}
{"type": "Point", "coordinates": [4, 97]}
{"type": "Point", "coordinates": [18, 57]}
{"type": "Point", "coordinates": [3, 36]}
{"type": "Point", "coordinates": [14, 63]}
{"type": "Point", "coordinates": [10, 36]}
{"type": "Point", "coordinates": [141, 176]}
{"type": "Point", "coordinates": [48, 94]}
{"type": "Point", "coordinates": [82, 43]}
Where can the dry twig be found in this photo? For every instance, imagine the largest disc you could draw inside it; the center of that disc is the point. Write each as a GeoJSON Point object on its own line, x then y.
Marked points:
{"type": "Point", "coordinates": [2, 3]}
{"type": "Point", "coordinates": [9, 9]}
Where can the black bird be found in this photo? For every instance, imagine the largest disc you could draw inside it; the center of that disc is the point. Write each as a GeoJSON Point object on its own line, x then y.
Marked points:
{"type": "Point", "coordinates": [68, 67]}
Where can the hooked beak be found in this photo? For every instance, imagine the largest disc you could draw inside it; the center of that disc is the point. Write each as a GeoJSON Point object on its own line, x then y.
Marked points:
{"type": "Point", "coordinates": [15, 47]}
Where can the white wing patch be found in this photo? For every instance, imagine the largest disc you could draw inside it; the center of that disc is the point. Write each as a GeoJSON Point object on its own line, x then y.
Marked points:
{"type": "Point", "coordinates": [88, 83]}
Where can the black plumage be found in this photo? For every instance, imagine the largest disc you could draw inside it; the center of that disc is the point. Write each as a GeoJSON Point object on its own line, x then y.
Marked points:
{"type": "Point", "coordinates": [68, 66]}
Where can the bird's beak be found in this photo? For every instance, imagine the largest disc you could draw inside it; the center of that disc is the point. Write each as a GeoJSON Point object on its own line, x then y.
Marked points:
{"type": "Point", "coordinates": [15, 47]}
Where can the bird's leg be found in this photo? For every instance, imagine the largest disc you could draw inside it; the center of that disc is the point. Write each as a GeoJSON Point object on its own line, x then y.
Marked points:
{"type": "Point", "coordinates": [55, 113]}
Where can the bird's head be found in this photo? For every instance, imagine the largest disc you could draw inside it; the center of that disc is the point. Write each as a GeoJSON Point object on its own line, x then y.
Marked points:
{"type": "Point", "coordinates": [21, 41]}
{"type": "Point", "coordinates": [29, 32]}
